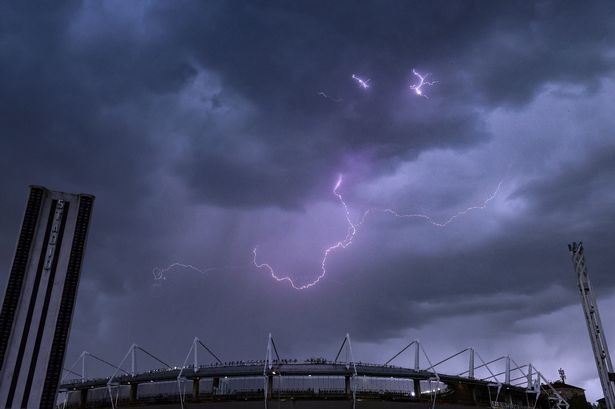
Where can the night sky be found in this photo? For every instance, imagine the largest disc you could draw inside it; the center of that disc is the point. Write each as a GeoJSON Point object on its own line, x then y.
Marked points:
{"type": "Point", "coordinates": [202, 131]}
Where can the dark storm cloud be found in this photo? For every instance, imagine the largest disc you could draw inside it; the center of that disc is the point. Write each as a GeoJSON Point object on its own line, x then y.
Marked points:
{"type": "Point", "coordinates": [577, 186]}
{"type": "Point", "coordinates": [69, 122]}
{"type": "Point", "coordinates": [554, 42]}
{"type": "Point", "coordinates": [285, 53]}
{"type": "Point", "coordinates": [523, 271]}
{"type": "Point", "coordinates": [280, 55]}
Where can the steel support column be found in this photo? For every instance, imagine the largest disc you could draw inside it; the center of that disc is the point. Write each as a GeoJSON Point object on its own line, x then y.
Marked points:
{"type": "Point", "coordinates": [196, 389]}
{"type": "Point", "coordinates": [594, 325]}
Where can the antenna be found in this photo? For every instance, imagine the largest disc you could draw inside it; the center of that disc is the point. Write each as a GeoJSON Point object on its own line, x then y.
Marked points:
{"type": "Point", "coordinates": [562, 375]}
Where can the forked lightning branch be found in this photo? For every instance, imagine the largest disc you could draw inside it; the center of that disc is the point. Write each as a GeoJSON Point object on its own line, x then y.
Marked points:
{"type": "Point", "coordinates": [352, 231]}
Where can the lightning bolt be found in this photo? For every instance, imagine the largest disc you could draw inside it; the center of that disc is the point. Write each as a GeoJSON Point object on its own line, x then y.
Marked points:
{"type": "Point", "coordinates": [342, 244]}
{"type": "Point", "coordinates": [422, 81]}
{"type": "Point", "coordinates": [429, 219]}
{"type": "Point", "coordinates": [324, 95]}
{"type": "Point", "coordinates": [353, 230]}
{"type": "Point", "coordinates": [159, 272]}
{"type": "Point", "coordinates": [362, 83]}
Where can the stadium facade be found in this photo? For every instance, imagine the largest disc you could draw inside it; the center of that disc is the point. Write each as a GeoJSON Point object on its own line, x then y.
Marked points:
{"type": "Point", "coordinates": [313, 383]}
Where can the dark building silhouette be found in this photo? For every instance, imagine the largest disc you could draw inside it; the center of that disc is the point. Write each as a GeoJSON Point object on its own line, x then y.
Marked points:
{"type": "Point", "coordinates": [40, 296]}
{"type": "Point", "coordinates": [574, 395]}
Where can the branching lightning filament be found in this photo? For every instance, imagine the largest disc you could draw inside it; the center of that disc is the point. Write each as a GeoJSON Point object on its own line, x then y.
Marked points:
{"type": "Point", "coordinates": [159, 272]}
{"type": "Point", "coordinates": [429, 219]}
{"type": "Point", "coordinates": [362, 83]}
{"type": "Point", "coordinates": [342, 244]}
{"type": "Point", "coordinates": [418, 88]}
{"type": "Point", "coordinates": [327, 96]}
{"type": "Point", "coordinates": [353, 229]}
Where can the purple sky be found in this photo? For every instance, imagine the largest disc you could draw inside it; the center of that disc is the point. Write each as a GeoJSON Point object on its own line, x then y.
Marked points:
{"type": "Point", "coordinates": [200, 129]}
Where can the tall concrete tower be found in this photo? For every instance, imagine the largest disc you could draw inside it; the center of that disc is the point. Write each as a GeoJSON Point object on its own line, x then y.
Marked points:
{"type": "Point", "coordinates": [594, 325]}
{"type": "Point", "coordinates": [40, 296]}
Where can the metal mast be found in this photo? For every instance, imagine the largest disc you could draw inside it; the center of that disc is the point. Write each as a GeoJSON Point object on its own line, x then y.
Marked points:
{"type": "Point", "coordinates": [594, 325]}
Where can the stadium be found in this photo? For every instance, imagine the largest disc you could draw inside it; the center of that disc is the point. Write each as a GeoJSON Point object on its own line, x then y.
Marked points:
{"type": "Point", "coordinates": [313, 383]}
